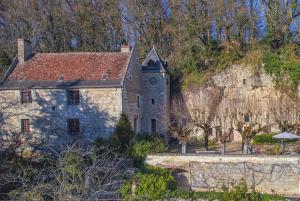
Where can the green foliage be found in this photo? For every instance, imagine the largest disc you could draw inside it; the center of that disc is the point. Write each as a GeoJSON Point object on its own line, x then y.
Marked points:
{"type": "Point", "coordinates": [152, 183]}
{"type": "Point", "coordinates": [184, 194]}
{"type": "Point", "coordinates": [73, 164]}
{"type": "Point", "coordinates": [273, 150]}
{"type": "Point", "coordinates": [264, 139]}
{"type": "Point", "coordinates": [145, 144]}
{"type": "Point", "coordinates": [125, 190]}
{"type": "Point", "coordinates": [5, 61]}
{"type": "Point", "coordinates": [267, 139]}
{"type": "Point", "coordinates": [123, 133]}
{"type": "Point", "coordinates": [240, 192]}
{"type": "Point", "coordinates": [158, 184]}
{"type": "Point", "coordinates": [283, 65]}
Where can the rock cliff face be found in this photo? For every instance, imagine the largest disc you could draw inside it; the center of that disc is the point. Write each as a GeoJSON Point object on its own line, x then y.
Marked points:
{"type": "Point", "coordinates": [245, 89]}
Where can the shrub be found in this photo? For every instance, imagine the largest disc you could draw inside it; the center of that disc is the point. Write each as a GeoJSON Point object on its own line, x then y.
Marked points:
{"type": "Point", "coordinates": [240, 193]}
{"type": "Point", "coordinates": [283, 65]}
{"type": "Point", "coordinates": [142, 145]}
{"type": "Point", "coordinates": [272, 150]}
{"type": "Point", "coordinates": [153, 183]}
{"type": "Point", "coordinates": [123, 133]}
{"type": "Point", "coordinates": [264, 139]}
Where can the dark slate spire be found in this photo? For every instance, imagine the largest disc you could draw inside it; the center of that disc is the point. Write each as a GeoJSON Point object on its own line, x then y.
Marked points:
{"type": "Point", "coordinates": [153, 62]}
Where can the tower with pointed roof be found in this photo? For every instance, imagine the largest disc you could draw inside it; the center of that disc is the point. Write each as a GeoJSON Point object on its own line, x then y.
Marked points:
{"type": "Point", "coordinates": [156, 94]}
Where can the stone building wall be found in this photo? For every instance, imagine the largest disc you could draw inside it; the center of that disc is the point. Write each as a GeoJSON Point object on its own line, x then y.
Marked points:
{"type": "Point", "coordinates": [160, 92]}
{"type": "Point", "coordinates": [132, 92]}
{"type": "Point", "coordinates": [268, 174]}
{"type": "Point", "coordinates": [98, 111]}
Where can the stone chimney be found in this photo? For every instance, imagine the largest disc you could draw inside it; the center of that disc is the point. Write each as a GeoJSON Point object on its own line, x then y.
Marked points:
{"type": "Point", "coordinates": [24, 50]}
{"type": "Point", "coordinates": [125, 48]}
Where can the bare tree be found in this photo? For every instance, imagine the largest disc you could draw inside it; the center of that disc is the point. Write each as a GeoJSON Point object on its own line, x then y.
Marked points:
{"type": "Point", "coordinates": [180, 122]}
{"type": "Point", "coordinates": [71, 174]}
{"type": "Point", "coordinates": [284, 111]}
{"type": "Point", "coordinates": [204, 107]}
{"type": "Point", "coordinates": [224, 125]}
{"type": "Point", "coordinates": [248, 120]}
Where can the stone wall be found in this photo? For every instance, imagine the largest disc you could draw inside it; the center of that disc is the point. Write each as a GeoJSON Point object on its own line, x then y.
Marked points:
{"type": "Point", "coordinates": [268, 174]}
{"type": "Point", "coordinates": [98, 111]}
{"type": "Point", "coordinates": [132, 92]}
{"type": "Point", "coordinates": [160, 92]}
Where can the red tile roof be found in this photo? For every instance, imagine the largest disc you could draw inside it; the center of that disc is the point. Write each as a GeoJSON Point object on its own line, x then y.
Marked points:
{"type": "Point", "coordinates": [72, 66]}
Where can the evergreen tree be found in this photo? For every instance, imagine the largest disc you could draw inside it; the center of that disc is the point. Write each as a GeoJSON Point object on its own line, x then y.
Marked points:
{"type": "Point", "coordinates": [123, 132]}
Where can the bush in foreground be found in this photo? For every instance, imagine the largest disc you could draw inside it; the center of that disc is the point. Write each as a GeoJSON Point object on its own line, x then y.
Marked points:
{"type": "Point", "coordinates": [143, 145]}
{"type": "Point", "coordinates": [152, 183]}
{"type": "Point", "coordinates": [159, 184]}
{"type": "Point", "coordinates": [72, 174]}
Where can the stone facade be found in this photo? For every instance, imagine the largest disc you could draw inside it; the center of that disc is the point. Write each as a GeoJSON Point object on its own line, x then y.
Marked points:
{"type": "Point", "coordinates": [101, 102]}
{"type": "Point", "coordinates": [98, 112]}
{"type": "Point", "coordinates": [156, 95]}
{"type": "Point", "coordinates": [132, 93]}
{"type": "Point", "coordinates": [156, 101]}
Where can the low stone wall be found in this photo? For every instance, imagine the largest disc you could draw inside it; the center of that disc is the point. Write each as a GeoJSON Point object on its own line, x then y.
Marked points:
{"type": "Point", "coordinates": [268, 174]}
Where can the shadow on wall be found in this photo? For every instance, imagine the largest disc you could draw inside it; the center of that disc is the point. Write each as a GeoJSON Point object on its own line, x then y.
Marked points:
{"type": "Point", "coordinates": [49, 114]}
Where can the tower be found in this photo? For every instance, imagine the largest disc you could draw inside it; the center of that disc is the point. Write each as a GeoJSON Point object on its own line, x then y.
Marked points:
{"type": "Point", "coordinates": [156, 94]}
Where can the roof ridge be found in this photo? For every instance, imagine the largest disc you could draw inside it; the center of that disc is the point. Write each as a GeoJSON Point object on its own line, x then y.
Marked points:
{"type": "Point", "coordinates": [61, 53]}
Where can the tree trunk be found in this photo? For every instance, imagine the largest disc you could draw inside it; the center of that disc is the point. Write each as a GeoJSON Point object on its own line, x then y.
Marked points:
{"type": "Point", "coordinates": [223, 147]}
{"type": "Point", "coordinates": [206, 141]}
{"type": "Point", "coordinates": [183, 147]}
{"type": "Point", "coordinates": [282, 146]}
{"type": "Point", "coordinates": [246, 149]}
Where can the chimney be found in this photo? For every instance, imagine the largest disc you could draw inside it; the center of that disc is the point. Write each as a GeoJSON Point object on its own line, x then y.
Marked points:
{"type": "Point", "coordinates": [125, 48]}
{"type": "Point", "coordinates": [24, 50]}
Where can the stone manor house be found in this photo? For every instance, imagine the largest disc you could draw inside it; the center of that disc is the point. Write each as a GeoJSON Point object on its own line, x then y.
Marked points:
{"type": "Point", "coordinates": [84, 93]}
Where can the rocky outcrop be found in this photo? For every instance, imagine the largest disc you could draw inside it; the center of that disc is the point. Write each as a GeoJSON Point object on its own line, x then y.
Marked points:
{"type": "Point", "coordinates": [245, 89]}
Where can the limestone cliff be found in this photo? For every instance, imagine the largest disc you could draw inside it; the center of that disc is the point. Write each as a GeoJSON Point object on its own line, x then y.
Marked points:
{"type": "Point", "coordinates": [245, 89]}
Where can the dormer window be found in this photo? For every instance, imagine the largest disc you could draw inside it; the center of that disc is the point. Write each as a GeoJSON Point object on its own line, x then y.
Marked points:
{"type": "Point", "coordinates": [151, 63]}
{"type": "Point", "coordinates": [26, 96]}
{"type": "Point", "coordinates": [104, 76]}
{"type": "Point", "coordinates": [61, 78]}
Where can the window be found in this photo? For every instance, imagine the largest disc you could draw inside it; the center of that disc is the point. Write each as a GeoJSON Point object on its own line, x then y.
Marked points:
{"type": "Point", "coordinates": [135, 125]}
{"type": "Point", "coordinates": [244, 81]}
{"type": "Point", "coordinates": [246, 118]}
{"type": "Point", "coordinates": [61, 78]}
{"type": "Point", "coordinates": [73, 126]}
{"type": "Point", "coordinates": [153, 101]}
{"type": "Point", "coordinates": [167, 81]}
{"type": "Point", "coordinates": [153, 126]}
{"type": "Point", "coordinates": [25, 125]}
{"type": "Point", "coordinates": [26, 96]}
{"type": "Point", "coordinates": [73, 97]}
{"type": "Point", "coordinates": [151, 63]}
{"type": "Point", "coordinates": [138, 101]}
